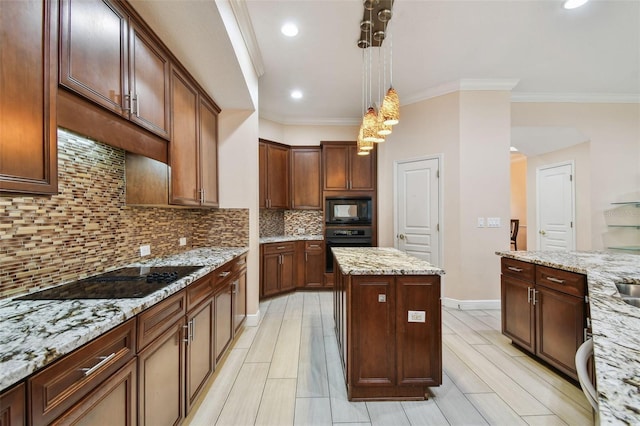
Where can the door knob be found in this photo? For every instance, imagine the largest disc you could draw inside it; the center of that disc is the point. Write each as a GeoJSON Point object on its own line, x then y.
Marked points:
{"type": "Point", "coordinates": [401, 236]}
{"type": "Point", "coordinates": [542, 232]}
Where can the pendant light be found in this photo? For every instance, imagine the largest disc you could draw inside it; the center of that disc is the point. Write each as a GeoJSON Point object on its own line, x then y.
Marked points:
{"type": "Point", "coordinates": [391, 104]}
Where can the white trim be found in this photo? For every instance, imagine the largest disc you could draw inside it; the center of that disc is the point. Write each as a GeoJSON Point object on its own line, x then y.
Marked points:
{"type": "Point", "coordinates": [241, 12]}
{"type": "Point", "coordinates": [504, 84]}
{"type": "Point", "coordinates": [253, 319]}
{"type": "Point", "coordinates": [440, 158]}
{"type": "Point", "coordinates": [470, 305]}
{"type": "Point", "coordinates": [607, 98]}
{"type": "Point", "coordinates": [305, 121]}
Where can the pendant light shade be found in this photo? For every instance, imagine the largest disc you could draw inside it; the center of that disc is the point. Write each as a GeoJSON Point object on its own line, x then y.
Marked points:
{"type": "Point", "coordinates": [391, 108]}
{"type": "Point", "coordinates": [369, 126]}
{"type": "Point", "coordinates": [360, 143]}
{"type": "Point", "coordinates": [383, 129]}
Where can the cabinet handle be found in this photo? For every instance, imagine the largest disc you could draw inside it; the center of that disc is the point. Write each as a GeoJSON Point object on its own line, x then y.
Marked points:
{"type": "Point", "coordinates": [241, 262]}
{"type": "Point", "coordinates": [534, 295]}
{"type": "Point", "coordinates": [186, 333]}
{"type": "Point", "coordinates": [105, 359]}
{"type": "Point", "coordinates": [514, 269]}
{"type": "Point", "coordinates": [555, 280]}
{"type": "Point", "coordinates": [193, 329]}
{"type": "Point", "coordinates": [280, 248]}
{"type": "Point", "coordinates": [529, 294]}
{"type": "Point", "coordinates": [224, 274]}
{"type": "Point", "coordinates": [127, 98]}
{"type": "Point", "coordinates": [234, 287]}
{"type": "Point", "coordinates": [306, 257]}
{"type": "Point", "coordinates": [314, 246]}
{"type": "Point", "coordinates": [136, 101]}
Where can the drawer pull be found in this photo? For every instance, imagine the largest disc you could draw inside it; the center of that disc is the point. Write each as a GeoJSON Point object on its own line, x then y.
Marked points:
{"type": "Point", "coordinates": [241, 262]}
{"type": "Point", "coordinates": [280, 248]}
{"type": "Point", "coordinates": [105, 359]}
{"type": "Point", "coordinates": [224, 274]}
{"type": "Point", "coordinates": [314, 246]}
{"type": "Point", "coordinates": [514, 269]}
{"type": "Point", "coordinates": [555, 280]}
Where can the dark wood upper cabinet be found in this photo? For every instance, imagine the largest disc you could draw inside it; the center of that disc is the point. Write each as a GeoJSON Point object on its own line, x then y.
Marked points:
{"type": "Point", "coordinates": [306, 178]}
{"type": "Point", "coordinates": [274, 175]}
{"type": "Point", "coordinates": [106, 57]}
{"type": "Point", "coordinates": [208, 153]}
{"type": "Point", "coordinates": [345, 170]}
{"type": "Point", "coordinates": [28, 68]}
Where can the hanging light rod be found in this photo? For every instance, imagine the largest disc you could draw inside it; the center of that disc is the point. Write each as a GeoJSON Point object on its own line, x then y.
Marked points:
{"type": "Point", "coordinates": [374, 18]}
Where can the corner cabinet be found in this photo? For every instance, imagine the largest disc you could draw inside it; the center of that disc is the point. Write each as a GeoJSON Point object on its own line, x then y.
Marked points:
{"type": "Point", "coordinates": [273, 175]}
{"type": "Point", "coordinates": [306, 178]}
{"type": "Point", "coordinates": [28, 88]}
{"type": "Point", "coordinates": [345, 170]}
{"type": "Point", "coordinates": [544, 311]}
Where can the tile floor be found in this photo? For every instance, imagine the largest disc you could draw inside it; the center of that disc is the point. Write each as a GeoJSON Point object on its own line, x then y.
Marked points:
{"type": "Point", "coordinates": [287, 371]}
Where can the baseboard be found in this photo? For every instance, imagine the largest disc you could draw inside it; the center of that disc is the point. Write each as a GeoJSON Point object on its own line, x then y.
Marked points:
{"type": "Point", "coordinates": [253, 319]}
{"type": "Point", "coordinates": [467, 305]}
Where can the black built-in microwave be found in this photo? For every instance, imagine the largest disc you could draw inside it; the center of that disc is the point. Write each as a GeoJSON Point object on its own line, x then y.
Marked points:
{"type": "Point", "coordinates": [352, 211]}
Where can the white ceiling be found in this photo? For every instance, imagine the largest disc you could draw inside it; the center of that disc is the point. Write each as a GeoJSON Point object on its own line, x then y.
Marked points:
{"type": "Point", "coordinates": [587, 54]}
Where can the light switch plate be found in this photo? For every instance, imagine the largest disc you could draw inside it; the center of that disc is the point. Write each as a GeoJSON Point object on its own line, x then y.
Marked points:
{"type": "Point", "coordinates": [382, 298]}
{"type": "Point", "coordinates": [145, 250]}
{"type": "Point", "coordinates": [481, 222]}
{"type": "Point", "coordinates": [183, 241]}
{"type": "Point", "coordinates": [416, 316]}
{"type": "Point", "coordinates": [493, 222]}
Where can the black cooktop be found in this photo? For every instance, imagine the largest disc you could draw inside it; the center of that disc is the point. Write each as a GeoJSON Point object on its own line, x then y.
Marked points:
{"type": "Point", "coordinates": [123, 283]}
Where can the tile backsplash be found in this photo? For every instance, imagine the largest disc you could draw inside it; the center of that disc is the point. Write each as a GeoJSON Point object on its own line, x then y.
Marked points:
{"type": "Point", "coordinates": [87, 229]}
{"type": "Point", "coordinates": [274, 223]}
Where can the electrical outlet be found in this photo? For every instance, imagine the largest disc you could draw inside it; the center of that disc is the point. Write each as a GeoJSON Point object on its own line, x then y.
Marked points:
{"type": "Point", "coordinates": [183, 241]}
{"type": "Point", "coordinates": [481, 222]}
{"type": "Point", "coordinates": [300, 230]}
{"type": "Point", "coordinates": [145, 250]}
{"type": "Point", "coordinates": [493, 222]}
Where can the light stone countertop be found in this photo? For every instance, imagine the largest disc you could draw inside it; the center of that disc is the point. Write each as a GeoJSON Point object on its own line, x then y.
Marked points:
{"type": "Point", "coordinates": [285, 238]}
{"type": "Point", "coordinates": [615, 325]}
{"type": "Point", "coordinates": [34, 333]}
{"type": "Point", "coordinates": [381, 261]}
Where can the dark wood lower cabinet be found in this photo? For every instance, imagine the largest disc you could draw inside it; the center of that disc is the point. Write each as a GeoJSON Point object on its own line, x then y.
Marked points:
{"type": "Point", "coordinates": [13, 407]}
{"type": "Point", "coordinates": [200, 357]}
{"type": "Point", "coordinates": [389, 335]}
{"type": "Point", "coordinates": [544, 311]}
{"type": "Point", "coordinates": [224, 322]}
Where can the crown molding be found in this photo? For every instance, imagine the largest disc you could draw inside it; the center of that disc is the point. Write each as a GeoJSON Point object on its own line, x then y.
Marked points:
{"type": "Point", "coordinates": [341, 121]}
{"type": "Point", "coordinates": [243, 19]}
{"type": "Point", "coordinates": [466, 84]}
{"type": "Point", "coordinates": [607, 98]}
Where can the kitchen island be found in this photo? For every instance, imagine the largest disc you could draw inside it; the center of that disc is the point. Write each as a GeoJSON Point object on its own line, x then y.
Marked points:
{"type": "Point", "coordinates": [388, 323]}
{"type": "Point", "coordinates": [615, 325]}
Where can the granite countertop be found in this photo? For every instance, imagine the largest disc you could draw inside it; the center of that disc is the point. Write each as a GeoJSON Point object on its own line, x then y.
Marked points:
{"type": "Point", "coordinates": [34, 333]}
{"type": "Point", "coordinates": [615, 325]}
{"type": "Point", "coordinates": [381, 261]}
{"type": "Point", "coordinates": [284, 238]}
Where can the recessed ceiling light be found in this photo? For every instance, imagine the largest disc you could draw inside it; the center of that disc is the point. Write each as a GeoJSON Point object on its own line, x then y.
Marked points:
{"type": "Point", "coordinates": [572, 4]}
{"type": "Point", "coordinates": [513, 149]}
{"type": "Point", "coordinates": [289, 29]}
{"type": "Point", "coordinates": [296, 94]}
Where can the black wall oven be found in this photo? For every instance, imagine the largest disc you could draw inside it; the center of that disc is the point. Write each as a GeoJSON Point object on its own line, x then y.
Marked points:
{"type": "Point", "coordinates": [345, 237]}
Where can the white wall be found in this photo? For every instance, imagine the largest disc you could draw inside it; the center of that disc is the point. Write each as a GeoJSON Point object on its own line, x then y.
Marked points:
{"type": "Point", "coordinates": [305, 135]}
{"type": "Point", "coordinates": [613, 131]}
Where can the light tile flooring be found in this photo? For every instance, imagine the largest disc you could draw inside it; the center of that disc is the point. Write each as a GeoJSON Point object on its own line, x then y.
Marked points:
{"type": "Point", "coordinates": [287, 371]}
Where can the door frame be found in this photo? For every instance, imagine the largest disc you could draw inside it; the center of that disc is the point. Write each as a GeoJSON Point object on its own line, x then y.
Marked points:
{"type": "Point", "coordinates": [396, 163]}
{"type": "Point", "coordinates": [570, 163]}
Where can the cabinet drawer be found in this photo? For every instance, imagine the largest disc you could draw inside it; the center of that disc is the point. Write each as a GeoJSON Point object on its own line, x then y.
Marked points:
{"type": "Point", "coordinates": [58, 387]}
{"type": "Point", "coordinates": [240, 263]}
{"type": "Point", "coordinates": [200, 290]}
{"type": "Point", "coordinates": [563, 281]}
{"type": "Point", "coordinates": [160, 317]}
{"type": "Point", "coordinates": [279, 247]}
{"type": "Point", "coordinates": [518, 269]}
{"type": "Point", "coordinates": [313, 245]}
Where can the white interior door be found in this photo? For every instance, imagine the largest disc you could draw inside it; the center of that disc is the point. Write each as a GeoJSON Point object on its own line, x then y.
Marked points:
{"type": "Point", "coordinates": [555, 206]}
{"type": "Point", "coordinates": [417, 208]}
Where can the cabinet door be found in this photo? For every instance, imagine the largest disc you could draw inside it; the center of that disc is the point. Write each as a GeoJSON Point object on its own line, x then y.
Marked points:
{"type": "Point", "coordinates": [28, 88]}
{"type": "Point", "coordinates": [149, 74]}
{"type": "Point", "coordinates": [262, 165]}
{"type": "Point", "coordinates": [419, 336]}
{"type": "Point", "coordinates": [518, 321]}
{"type": "Point", "coordinates": [314, 263]}
{"type": "Point", "coordinates": [200, 357]}
{"type": "Point", "coordinates": [559, 328]}
{"type": "Point", "coordinates": [362, 170]}
{"type": "Point", "coordinates": [372, 350]}
{"type": "Point", "coordinates": [270, 274]}
{"type": "Point", "coordinates": [183, 153]}
{"type": "Point", "coordinates": [208, 155]}
{"type": "Point", "coordinates": [240, 300]}
{"type": "Point", "coordinates": [224, 321]}
{"type": "Point", "coordinates": [306, 184]}
{"type": "Point", "coordinates": [278, 176]}
{"type": "Point", "coordinates": [115, 400]}
{"type": "Point", "coordinates": [161, 379]}
{"type": "Point", "coordinates": [336, 167]}
{"type": "Point", "coordinates": [93, 52]}
{"type": "Point", "coordinates": [287, 271]}
{"type": "Point", "coordinates": [12, 407]}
